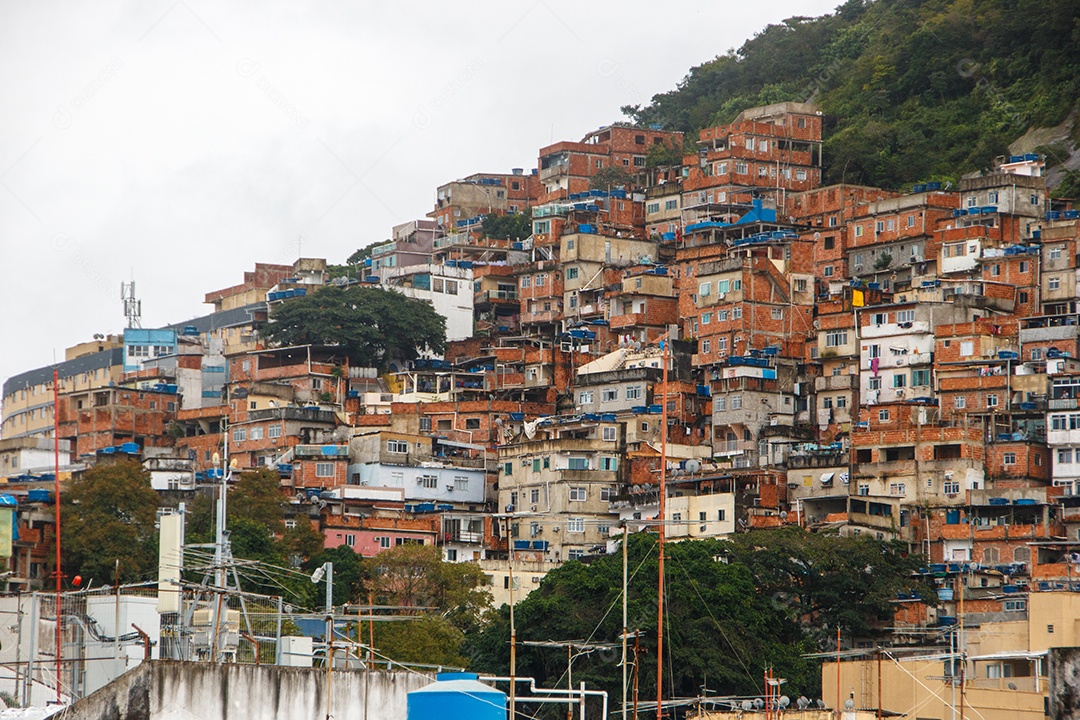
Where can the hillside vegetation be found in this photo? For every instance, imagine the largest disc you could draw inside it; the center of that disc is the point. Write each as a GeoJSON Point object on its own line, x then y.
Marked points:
{"type": "Point", "coordinates": [911, 90]}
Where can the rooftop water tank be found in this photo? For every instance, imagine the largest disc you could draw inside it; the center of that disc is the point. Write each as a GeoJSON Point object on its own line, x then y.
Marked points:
{"type": "Point", "coordinates": [457, 696]}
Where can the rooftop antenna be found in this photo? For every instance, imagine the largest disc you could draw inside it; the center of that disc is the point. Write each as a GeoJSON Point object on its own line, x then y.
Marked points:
{"type": "Point", "coordinates": [132, 306]}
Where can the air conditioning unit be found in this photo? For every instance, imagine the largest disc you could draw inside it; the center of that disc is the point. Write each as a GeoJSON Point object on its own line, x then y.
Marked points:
{"type": "Point", "coordinates": [566, 347]}
{"type": "Point", "coordinates": [721, 296]}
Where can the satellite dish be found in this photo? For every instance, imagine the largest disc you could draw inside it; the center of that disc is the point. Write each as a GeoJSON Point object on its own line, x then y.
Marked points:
{"type": "Point", "coordinates": [783, 514]}
{"type": "Point", "coordinates": [759, 703]}
{"type": "Point", "coordinates": [499, 421]}
{"type": "Point", "coordinates": [820, 704]}
{"type": "Point", "coordinates": [318, 574]}
{"type": "Point", "coordinates": [1012, 686]}
{"type": "Point", "coordinates": [849, 704]}
{"type": "Point", "coordinates": [747, 705]}
{"type": "Point", "coordinates": [784, 701]}
{"type": "Point", "coordinates": [803, 702]}
{"type": "Point", "coordinates": [692, 466]}
{"type": "Point", "coordinates": [322, 504]}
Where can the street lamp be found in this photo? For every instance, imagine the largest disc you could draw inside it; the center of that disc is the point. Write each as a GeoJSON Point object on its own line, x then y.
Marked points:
{"type": "Point", "coordinates": [327, 570]}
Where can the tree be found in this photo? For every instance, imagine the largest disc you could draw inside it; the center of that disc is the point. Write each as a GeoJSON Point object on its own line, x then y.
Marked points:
{"type": "Point", "coordinates": [108, 513]}
{"type": "Point", "coordinates": [374, 326]}
{"type": "Point", "coordinates": [350, 573]}
{"type": "Point", "coordinates": [257, 497]}
{"type": "Point", "coordinates": [767, 603]}
{"type": "Point", "coordinates": [609, 177]}
{"type": "Point", "coordinates": [514, 226]}
{"type": "Point", "coordinates": [416, 576]}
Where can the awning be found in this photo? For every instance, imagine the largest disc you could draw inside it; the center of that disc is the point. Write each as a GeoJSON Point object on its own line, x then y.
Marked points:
{"type": "Point", "coordinates": [826, 479]}
{"type": "Point", "coordinates": [455, 443]}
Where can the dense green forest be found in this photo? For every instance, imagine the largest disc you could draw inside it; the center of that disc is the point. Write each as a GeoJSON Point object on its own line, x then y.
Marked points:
{"type": "Point", "coordinates": [911, 90]}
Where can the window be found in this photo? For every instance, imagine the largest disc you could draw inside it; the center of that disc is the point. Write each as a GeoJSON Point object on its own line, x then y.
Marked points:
{"type": "Point", "coordinates": [706, 346]}
{"type": "Point", "coordinates": [609, 463]}
{"type": "Point", "coordinates": [864, 489]}
{"type": "Point", "coordinates": [399, 447]}
{"type": "Point", "coordinates": [706, 318]}
{"type": "Point", "coordinates": [720, 168]}
{"type": "Point", "coordinates": [609, 395]}
{"type": "Point", "coordinates": [1053, 283]}
{"type": "Point", "coordinates": [508, 468]}
{"type": "Point", "coordinates": [239, 434]}
{"type": "Point", "coordinates": [899, 380]}
{"type": "Point", "coordinates": [898, 489]}
{"type": "Point", "coordinates": [952, 487]}
{"type": "Point", "coordinates": [576, 463]}
{"type": "Point", "coordinates": [274, 431]}
{"type": "Point", "coordinates": [736, 402]}
{"type": "Point", "coordinates": [575, 525]}
{"type": "Point", "coordinates": [256, 432]}
{"type": "Point", "coordinates": [1009, 458]}
{"type": "Point", "coordinates": [777, 313]}
{"type": "Point", "coordinates": [671, 205]}
{"type": "Point", "coordinates": [324, 470]}
{"type": "Point", "coordinates": [721, 315]}
{"type": "Point", "coordinates": [1055, 253]}
{"type": "Point", "coordinates": [633, 392]}
{"type": "Point", "coordinates": [741, 168]}
{"type": "Point", "coordinates": [526, 281]}
{"type": "Point", "coordinates": [585, 397]}
{"type": "Point", "coordinates": [606, 493]}
{"type": "Point", "coordinates": [653, 207]}
{"type": "Point", "coordinates": [879, 318]}
{"type": "Point", "coordinates": [639, 161]}
{"type": "Point", "coordinates": [472, 423]}
{"type": "Point", "coordinates": [425, 424]}
{"type": "Point", "coordinates": [609, 434]}
{"type": "Point", "coordinates": [384, 542]}
{"type": "Point", "coordinates": [736, 312]}
{"type": "Point", "coordinates": [905, 316]}
{"type": "Point", "coordinates": [991, 400]}
{"type": "Point", "coordinates": [920, 377]}
{"type": "Point", "coordinates": [1023, 266]}
{"type": "Point", "coordinates": [534, 496]}
{"type": "Point", "coordinates": [704, 289]}
{"type": "Point", "coordinates": [858, 231]}
{"type": "Point", "coordinates": [461, 483]}
{"type": "Point", "coordinates": [883, 416]}
{"type": "Point", "coordinates": [874, 351]}
{"type": "Point", "coordinates": [828, 271]}
{"type": "Point", "coordinates": [536, 465]}
{"type": "Point", "coordinates": [967, 348]}
{"type": "Point", "coordinates": [836, 338]}
{"type": "Point", "coordinates": [1015, 605]}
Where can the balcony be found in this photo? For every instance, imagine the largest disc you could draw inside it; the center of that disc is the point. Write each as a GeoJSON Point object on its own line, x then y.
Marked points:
{"type": "Point", "coordinates": [920, 327]}
{"type": "Point", "coordinates": [1064, 403]}
{"type": "Point", "coordinates": [495, 296]}
{"type": "Point", "coordinates": [628, 320]}
{"type": "Point", "coordinates": [836, 382]}
{"type": "Point", "coordinates": [544, 316]}
{"type": "Point", "coordinates": [462, 536]}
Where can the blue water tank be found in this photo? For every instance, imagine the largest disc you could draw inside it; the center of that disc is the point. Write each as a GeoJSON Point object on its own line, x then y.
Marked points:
{"type": "Point", "coordinates": [457, 696]}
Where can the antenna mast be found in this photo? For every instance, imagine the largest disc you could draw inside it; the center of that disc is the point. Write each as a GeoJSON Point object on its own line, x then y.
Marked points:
{"type": "Point", "coordinates": [132, 306]}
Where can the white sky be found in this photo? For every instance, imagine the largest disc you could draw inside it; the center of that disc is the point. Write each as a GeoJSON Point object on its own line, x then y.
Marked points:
{"type": "Point", "coordinates": [180, 141]}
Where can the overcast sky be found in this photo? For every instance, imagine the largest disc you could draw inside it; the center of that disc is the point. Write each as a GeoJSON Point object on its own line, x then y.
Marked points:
{"type": "Point", "coordinates": [180, 141]}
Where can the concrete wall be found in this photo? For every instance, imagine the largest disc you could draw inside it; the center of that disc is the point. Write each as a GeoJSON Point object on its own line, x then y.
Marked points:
{"type": "Point", "coordinates": [1064, 683]}
{"type": "Point", "coordinates": [185, 691]}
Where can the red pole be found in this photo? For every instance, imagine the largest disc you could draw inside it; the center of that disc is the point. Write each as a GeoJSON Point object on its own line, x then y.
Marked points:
{"type": "Point", "coordinates": [662, 536]}
{"type": "Point", "coordinates": [56, 480]}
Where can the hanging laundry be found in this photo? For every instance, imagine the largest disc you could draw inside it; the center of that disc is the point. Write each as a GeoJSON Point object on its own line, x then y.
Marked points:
{"type": "Point", "coordinates": [874, 364]}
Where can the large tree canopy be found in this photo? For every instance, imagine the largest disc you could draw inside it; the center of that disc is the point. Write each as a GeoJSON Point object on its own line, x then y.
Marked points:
{"type": "Point", "coordinates": [911, 91]}
{"type": "Point", "coordinates": [731, 608]}
{"type": "Point", "coordinates": [108, 514]}
{"type": "Point", "coordinates": [372, 324]}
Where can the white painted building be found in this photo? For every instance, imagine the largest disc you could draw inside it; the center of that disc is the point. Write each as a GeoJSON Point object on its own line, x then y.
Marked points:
{"type": "Point", "coordinates": [895, 356]}
{"type": "Point", "coordinates": [449, 289]}
{"type": "Point", "coordinates": [431, 482]}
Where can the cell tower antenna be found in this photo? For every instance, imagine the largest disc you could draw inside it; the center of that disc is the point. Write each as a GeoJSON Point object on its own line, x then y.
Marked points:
{"type": "Point", "coordinates": [132, 306]}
